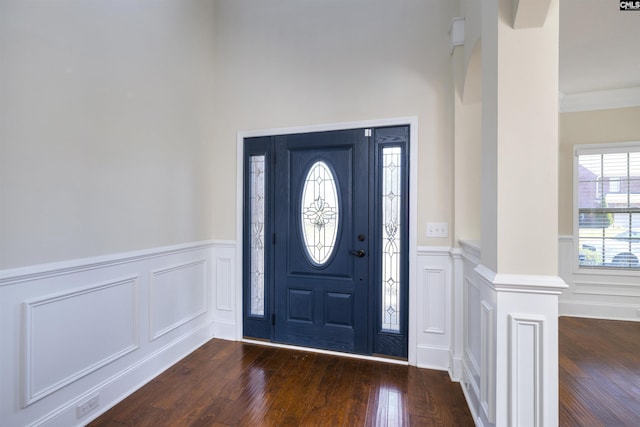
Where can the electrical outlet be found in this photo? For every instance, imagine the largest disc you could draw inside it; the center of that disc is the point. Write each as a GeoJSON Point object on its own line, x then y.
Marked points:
{"type": "Point", "coordinates": [88, 406]}
{"type": "Point", "coordinates": [437, 229]}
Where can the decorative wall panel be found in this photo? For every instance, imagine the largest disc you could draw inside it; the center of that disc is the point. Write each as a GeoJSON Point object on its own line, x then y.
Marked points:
{"type": "Point", "coordinates": [435, 302]}
{"type": "Point", "coordinates": [71, 334]}
{"type": "Point", "coordinates": [488, 360]}
{"type": "Point", "coordinates": [78, 330]}
{"type": "Point", "coordinates": [525, 370]}
{"type": "Point", "coordinates": [224, 290]}
{"type": "Point", "coordinates": [176, 295]}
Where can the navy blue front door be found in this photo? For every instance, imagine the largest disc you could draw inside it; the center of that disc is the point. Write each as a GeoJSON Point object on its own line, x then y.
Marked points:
{"type": "Point", "coordinates": [325, 246]}
{"type": "Point", "coordinates": [322, 240]}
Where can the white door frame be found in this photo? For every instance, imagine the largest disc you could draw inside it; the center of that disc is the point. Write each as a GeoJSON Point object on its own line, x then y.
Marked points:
{"type": "Point", "coordinates": [412, 122]}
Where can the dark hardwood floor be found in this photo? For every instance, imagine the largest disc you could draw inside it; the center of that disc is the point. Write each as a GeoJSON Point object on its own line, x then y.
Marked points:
{"type": "Point", "coordinates": [599, 372]}
{"type": "Point", "coordinates": [226, 383]}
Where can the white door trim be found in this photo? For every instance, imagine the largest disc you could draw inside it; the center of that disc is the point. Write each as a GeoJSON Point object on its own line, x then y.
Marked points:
{"type": "Point", "coordinates": [412, 122]}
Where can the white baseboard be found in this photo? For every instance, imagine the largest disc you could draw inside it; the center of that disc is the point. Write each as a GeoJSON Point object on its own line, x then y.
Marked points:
{"type": "Point", "coordinates": [433, 358]}
{"type": "Point", "coordinates": [224, 330]}
{"type": "Point", "coordinates": [455, 368]}
{"type": "Point", "coordinates": [606, 311]}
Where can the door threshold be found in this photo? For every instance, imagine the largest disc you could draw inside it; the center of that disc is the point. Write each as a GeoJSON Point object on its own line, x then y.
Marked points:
{"type": "Point", "coordinates": [377, 358]}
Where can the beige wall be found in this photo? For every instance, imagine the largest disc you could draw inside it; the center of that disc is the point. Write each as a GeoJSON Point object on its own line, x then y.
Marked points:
{"type": "Point", "coordinates": [468, 175]}
{"type": "Point", "coordinates": [292, 63]}
{"type": "Point", "coordinates": [120, 118]}
{"type": "Point", "coordinates": [467, 151]}
{"type": "Point", "coordinates": [106, 110]}
{"type": "Point", "coordinates": [617, 125]}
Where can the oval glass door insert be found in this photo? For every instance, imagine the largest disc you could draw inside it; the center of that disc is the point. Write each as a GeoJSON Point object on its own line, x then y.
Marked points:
{"type": "Point", "coordinates": [320, 213]}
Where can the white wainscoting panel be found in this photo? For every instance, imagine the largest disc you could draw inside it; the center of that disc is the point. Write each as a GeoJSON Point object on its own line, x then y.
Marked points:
{"type": "Point", "coordinates": [434, 302]}
{"type": "Point", "coordinates": [602, 294]}
{"type": "Point", "coordinates": [103, 327]}
{"type": "Point", "coordinates": [513, 319]}
{"type": "Point", "coordinates": [457, 315]}
{"type": "Point", "coordinates": [227, 287]}
{"type": "Point", "coordinates": [473, 334]}
{"type": "Point", "coordinates": [488, 361]}
{"type": "Point", "coordinates": [71, 334]}
{"type": "Point", "coordinates": [224, 294]}
{"type": "Point", "coordinates": [525, 370]}
{"type": "Point", "coordinates": [473, 324]}
{"type": "Point", "coordinates": [177, 294]}
{"type": "Point", "coordinates": [434, 305]}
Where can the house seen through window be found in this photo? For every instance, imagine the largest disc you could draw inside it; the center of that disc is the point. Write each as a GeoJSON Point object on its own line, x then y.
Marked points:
{"type": "Point", "coordinates": [608, 206]}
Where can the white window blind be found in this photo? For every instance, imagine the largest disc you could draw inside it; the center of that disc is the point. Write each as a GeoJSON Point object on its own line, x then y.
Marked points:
{"type": "Point", "coordinates": [607, 191]}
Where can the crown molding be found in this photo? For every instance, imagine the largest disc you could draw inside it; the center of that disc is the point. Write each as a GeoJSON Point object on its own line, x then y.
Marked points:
{"type": "Point", "coordinates": [599, 100]}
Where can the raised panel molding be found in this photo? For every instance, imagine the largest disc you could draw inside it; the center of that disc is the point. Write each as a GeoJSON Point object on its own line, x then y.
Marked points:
{"type": "Point", "coordinates": [525, 370]}
{"type": "Point", "coordinates": [474, 356]}
{"type": "Point", "coordinates": [456, 314]}
{"type": "Point", "coordinates": [431, 305]}
{"type": "Point", "coordinates": [227, 316]}
{"type": "Point", "coordinates": [487, 360]}
{"type": "Point", "coordinates": [72, 334]}
{"type": "Point", "coordinates": [435, 301]}
{"type": "Point", "coordinates": [473, 325]}
{"type": "Point", "coordinates": [224, 288]}
{"type": "Point", "coordinates": [78, 329]}
{"type": "Point", "coordinates": [177, 295]}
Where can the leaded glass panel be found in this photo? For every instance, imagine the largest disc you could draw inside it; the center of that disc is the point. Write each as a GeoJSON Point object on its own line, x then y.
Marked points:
{"type": "Point", "coordinates": [257, 209]}
{"type": "Point", "coordinates": [391, 198]}
{"type": "Point", "coordinates": [319, 212]}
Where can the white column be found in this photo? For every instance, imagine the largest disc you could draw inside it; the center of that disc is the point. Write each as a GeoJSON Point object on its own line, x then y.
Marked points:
{"type": "Point", "coordinates": [519, 384]}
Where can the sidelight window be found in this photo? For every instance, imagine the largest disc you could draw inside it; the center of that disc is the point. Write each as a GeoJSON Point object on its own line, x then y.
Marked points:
{"type": "Point", "coordinates": [391, 200]}
{"type": "Point", "coordinates": [257, 224]}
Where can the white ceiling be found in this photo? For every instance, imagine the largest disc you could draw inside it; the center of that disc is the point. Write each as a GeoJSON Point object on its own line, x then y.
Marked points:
{"type": "Point", "coordinates": [599, 46]}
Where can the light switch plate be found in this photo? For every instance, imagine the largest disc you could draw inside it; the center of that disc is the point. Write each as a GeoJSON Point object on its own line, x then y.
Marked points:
{"type": "Point", "coordinates": [437, 229]}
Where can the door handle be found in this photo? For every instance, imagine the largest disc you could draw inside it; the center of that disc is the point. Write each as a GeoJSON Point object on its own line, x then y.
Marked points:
{"type": "Point", "coordinates": [359, 253]}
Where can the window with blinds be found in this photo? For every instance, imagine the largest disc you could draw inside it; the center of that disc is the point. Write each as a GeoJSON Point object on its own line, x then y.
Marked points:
{"type": "Point", "coordinates": [607, 191]}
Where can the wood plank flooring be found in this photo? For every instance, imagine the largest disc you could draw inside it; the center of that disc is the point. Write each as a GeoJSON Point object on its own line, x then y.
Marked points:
{"type": "Point", "coordinates": [599, 372]}
{"type": "Point", "coordinates": [226, 383]}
